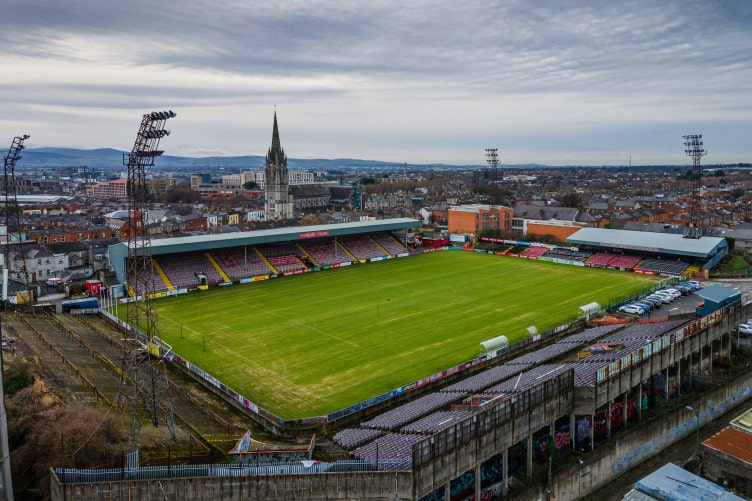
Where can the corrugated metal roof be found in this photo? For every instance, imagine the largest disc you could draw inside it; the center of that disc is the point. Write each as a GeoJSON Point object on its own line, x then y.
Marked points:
{"type": "Point", "coordinates": [743, 422]}
{"type": "Point", "coordinates": [645, 241]}
{"type": "Point", "coordinates": [634, 495]}
{"type": "Point", "coordinates": [717, 293]}
{"type": "Point", "coordinates": [672, 483]}
{"type": "Point", "coordinates": [733, 442]}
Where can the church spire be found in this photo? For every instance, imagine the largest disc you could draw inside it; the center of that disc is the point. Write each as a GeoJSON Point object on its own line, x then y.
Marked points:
{"type": "Point", "coordinates": [275, 134]}
{"type": "Point", "coordinates": [276, 153]}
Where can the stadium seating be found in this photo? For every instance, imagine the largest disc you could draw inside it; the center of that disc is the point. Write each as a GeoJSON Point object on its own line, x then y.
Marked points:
{"type": "Point", "coordinates": [286, 258]}
{"type": "Point", "coordinates": [437, 421]}
{"type": "Point", "coordinates": [605, 260]}
{"type": "Point", "coordinates": [158, 284]}
{"type": "Point", "coordinates": [183, 269]}
{"type": "Point", "coordinates": [240, 263]}
{"type": "Point", "coordinates": [392, 446]}
{"type": "Point", "coordinates": [667, 267]}
{"type": "Point", "coordinates": [351, 438]}
{"type": "Point", "coordinates": [362, 247]}
{"type": "Point", "coordinates": [389, 243]}
{"type": "Point", "coordinates": [534, 252]}
{"type": "Point", "coordinates": [326, 253]}
{"type": "Point", "coordinates": [567, 254]}
{"type": "Point", "coordinates": [287, 264]}
{"type": "Point", "coordinates": [410, 411]}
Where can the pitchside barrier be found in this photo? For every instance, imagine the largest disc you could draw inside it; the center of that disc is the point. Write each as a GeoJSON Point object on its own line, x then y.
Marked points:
{"type": "Point", "coordinates": [278, 425]}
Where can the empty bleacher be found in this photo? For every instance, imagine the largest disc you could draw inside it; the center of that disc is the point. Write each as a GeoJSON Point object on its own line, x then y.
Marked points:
{"type": "Point", "coordinates": [667, 267]}
{"type": "Point", "coordinates": [534, 252]}
{"type": "Point", "coordinates": [183, 270]}
{"type": "Point", "coordinates": [567, 254]}
{"type": "Point", "coordinates": [148, 276]}
{"type": "Point", "coordinates": [389, 243]}
{"type": "Point", "coordinates": [286, 258]}
{"type": "Point", "coordinates": [606, 260]}
{"type": "Point", "coordinates": [362, 247]}
{"type": "Point", "coordinates": [238, 262]}
{"type": "Point", "coordinates": [326, 252]}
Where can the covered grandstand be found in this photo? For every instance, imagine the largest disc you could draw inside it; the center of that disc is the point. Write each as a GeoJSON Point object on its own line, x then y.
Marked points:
{"type": "Point", "coordinates": [642, 250]}
{"type": "Point", "coordinates": [201, 261]}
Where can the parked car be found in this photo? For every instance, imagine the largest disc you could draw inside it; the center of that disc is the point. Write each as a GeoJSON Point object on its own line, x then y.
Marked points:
{"type": "Point", "coordinates": [664, 296]}
{"type": "Point", "coordinates": [674, 292]}
{"type": "Point", "coordinates": [745, 330]}
{"type": "Point", "coordinates": [631, 309]}
{"type": "Point", "coordinates": [654, 301]}
{"type": "Point", "coordinates": [644, 305]}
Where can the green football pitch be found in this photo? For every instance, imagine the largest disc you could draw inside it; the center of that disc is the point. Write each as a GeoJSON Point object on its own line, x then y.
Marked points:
{"type": "Point", "coordinates": [307, 345]}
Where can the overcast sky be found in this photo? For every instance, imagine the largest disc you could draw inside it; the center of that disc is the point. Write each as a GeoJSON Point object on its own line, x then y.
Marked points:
{"type": "Point", "coordinates": [554, 82]}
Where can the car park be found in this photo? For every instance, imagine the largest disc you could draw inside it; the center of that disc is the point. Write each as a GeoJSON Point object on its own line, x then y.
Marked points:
{"type": "Point", "coordinates": [632, 309]}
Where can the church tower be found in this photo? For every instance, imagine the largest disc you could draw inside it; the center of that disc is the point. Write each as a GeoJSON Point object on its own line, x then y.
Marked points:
{"type": "Point", "coordinates": [278, 199]}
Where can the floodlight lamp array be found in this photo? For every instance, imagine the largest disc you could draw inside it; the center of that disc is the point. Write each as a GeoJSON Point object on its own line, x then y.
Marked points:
{"type": "Point", "coordinates": [163, 115]}
{"type": "Point", "coordinates": [693, 144]}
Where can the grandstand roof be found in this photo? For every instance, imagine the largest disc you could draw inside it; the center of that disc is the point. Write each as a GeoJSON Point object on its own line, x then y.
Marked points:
{"type": "Point", "coordinates": [645, 241]}
{"type": "Point", "coordinates": [288, 234]}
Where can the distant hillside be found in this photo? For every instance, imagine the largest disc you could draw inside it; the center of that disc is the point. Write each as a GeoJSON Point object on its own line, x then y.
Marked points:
{"type": "Point", "coordinates": [108, 158]}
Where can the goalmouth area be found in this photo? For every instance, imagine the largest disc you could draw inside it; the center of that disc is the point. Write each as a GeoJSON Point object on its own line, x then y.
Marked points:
{"type": "Point", "coordinates": [311, 344]}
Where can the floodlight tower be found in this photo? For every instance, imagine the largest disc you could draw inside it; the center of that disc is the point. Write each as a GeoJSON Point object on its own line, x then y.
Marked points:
{"type": "Point", "coordinates": [147, 388]}
{"type": "Point", "coordinates": [12, 213]}
{"type": "Point", "coordinates": [693, 149]}
{"type": "Point", "coordinates": [492, 157]}
{"type": "Point", "coordinates": [13, 225]}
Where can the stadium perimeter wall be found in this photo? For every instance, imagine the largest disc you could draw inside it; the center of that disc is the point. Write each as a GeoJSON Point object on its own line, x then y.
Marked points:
{"type": "Point", "coordinates": [373, 485]}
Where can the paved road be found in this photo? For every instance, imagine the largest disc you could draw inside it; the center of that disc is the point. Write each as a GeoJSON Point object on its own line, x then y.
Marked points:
{"type": "Point", "coordinates": [679, 453]}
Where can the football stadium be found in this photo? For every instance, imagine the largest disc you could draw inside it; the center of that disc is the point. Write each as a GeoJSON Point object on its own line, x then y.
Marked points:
{"type": "Point", "coordinates": [438, 372]}
{"type": "Point", "coordinates": [244, 312]}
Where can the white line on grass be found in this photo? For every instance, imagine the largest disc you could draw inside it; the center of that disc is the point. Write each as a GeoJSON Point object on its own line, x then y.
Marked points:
{"type": "Point", "coordinates": [295, 321]}
{"type": "Point", "coordinates": [269, 373]}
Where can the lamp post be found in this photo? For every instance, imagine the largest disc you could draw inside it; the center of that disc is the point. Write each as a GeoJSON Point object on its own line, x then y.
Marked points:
{"type": "Point", "coordinates": [697, 429]}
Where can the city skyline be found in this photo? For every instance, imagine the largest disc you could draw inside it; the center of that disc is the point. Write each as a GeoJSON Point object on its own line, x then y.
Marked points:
{"type": "Point", "coordinates": [574, 84]}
